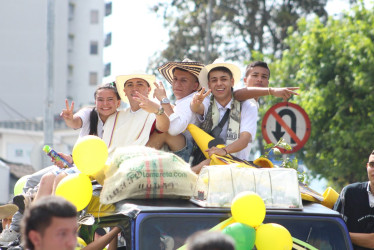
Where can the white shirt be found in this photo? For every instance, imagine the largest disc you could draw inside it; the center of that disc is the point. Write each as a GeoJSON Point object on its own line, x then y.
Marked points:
{"type": "Point", "coordinates": [182, 116]}
{"type": "Point", "coordinates": [84, 114]}
{"type": "Point", "coordinates": [248, 123]}
{"type": "Point", "coordinates": [371, 196]}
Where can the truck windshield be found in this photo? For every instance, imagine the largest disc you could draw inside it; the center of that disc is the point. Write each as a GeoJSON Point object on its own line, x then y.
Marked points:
{"type": "Point", "coordinates": [169, 231]}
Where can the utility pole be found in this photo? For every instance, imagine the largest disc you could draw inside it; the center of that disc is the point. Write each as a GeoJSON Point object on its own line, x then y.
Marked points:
{"type": "Point", "coordinates": [207, 32]}
{"type": "Point", "coordinates": [48, 115]}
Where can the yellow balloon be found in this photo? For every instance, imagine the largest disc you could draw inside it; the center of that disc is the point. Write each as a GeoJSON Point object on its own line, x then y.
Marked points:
{"type": "Point", "coordinates": [80, 243]}
{"type": "Point", "coordinates": [77, 189]}
{"type": "Point", "coordinates": [18, 187]}
{"type": "Point", "coordinates": [248, 208]}
{"type": "Point", "coordinates": [271, 236]}
{"type": "Point", "coordinates": [90, 154]}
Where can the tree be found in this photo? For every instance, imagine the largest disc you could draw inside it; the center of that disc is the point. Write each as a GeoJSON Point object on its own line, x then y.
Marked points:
{"type": "Point", "coordinates": [334, 66]}
{"type": "Point", "coordinates": [237, 26]}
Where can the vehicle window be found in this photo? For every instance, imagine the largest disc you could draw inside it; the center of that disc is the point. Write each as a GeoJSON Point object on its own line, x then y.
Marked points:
{"type": "Point", "coordinates": [155, 231]}
{"type": "Point", "coordinates": [320, 232]}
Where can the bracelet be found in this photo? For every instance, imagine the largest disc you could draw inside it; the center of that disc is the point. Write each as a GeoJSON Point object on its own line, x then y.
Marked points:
{"type": "Point", "coordinates": [225, 151]}
{"type": "Point", "coordinates": [269, 90]}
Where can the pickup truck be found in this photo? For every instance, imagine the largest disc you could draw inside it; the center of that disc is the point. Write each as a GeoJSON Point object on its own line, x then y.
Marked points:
{"type": "Point", "coordinates": [149, 223]}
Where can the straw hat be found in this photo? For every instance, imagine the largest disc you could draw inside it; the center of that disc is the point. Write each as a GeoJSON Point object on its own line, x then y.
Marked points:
{"type": "Point", "coordinates": [167, 69]}
{"type": "Point", "coordinates": [7, 210]}
{"type": "Point", "coordinates": [203, 76]}
{"type": "Point", "coordinates": [121, 80]}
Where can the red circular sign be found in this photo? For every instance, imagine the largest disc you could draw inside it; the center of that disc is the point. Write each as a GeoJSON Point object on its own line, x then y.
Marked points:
{"type": "Point", "coordinates": [289, 121]}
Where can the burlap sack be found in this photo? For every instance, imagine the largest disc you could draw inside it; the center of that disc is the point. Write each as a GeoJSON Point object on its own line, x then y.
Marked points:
{"type": "Point", "coordinates": [139, 172]}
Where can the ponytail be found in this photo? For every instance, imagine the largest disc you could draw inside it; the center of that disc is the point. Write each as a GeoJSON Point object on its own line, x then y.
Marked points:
{"type": "Point", "coordinates": [94, 120]}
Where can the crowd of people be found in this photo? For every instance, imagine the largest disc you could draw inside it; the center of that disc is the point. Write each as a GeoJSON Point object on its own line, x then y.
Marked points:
{"type": "Point", "coordinates": [205, 96]}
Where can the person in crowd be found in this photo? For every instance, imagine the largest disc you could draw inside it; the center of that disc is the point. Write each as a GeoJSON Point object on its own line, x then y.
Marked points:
{"type": "Point", "coordinates": [6, 213]}
{"type": "Point", "coordinates": [210, 240]}
{"type": "Point", "coordinates": [356, 205]}
{"type": "Point", "coordinates": [143, 117]}
{"type": "Point", "coordinates": [237, 121]}
{"type": "Point", "coordinates": [91, 122]}
{"type": "Point", "coordinates": [50, 223]}
{"type": "Point", "coordinates": [44, 181]}
{"type": "Point", "coordinates": [256, 81]}
{"type": "Point", "coordinates": [183, 77]}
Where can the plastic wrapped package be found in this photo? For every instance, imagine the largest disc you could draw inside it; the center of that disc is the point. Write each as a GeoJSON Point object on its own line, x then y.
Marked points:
{"type": "Point", "coordinates": [218, 185]}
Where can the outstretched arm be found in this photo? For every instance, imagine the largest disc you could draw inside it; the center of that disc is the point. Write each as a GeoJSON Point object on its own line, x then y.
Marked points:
{"type": "Point", "coordinates": [72, 121]}
{"type": "Point", "coordinates": [162, 120]}
{"type": "Point", "coordinates": [255, 92]}
{"type": "Point", "coordinates": [197, 101]}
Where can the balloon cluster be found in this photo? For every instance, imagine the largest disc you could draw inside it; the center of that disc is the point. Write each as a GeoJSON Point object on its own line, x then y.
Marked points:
{"type": "Point", "coordinates": [89, 155]}
{"type": "Point", "coordinates": [248, 210]}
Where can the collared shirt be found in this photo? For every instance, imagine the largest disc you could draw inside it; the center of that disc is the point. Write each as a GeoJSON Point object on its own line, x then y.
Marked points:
{"type": "Point", "coordinates": [371, 196]}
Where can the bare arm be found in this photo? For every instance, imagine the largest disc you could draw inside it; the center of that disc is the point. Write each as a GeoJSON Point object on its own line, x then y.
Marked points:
{"type": "Point", "coordinates": [103, 241]}
{"type": "Point", "coordinates": [255, 92]}
{"type": "Point", "coordinates": [236, 146]}
{"type": "Point", "coordinates": [72, 121]}
{"type": "Point", "coordinates": [197, 168]}
{"type": "Point", "coordinates": [162, 121]}
{"type": "Point", "coordinates": [363, 239]}
{"type": "Point", "coordinates": [197, 101]}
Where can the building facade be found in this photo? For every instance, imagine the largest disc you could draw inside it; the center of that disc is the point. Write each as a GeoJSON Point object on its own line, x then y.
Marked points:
{"type": "Point", "coordinates": [77, 29]}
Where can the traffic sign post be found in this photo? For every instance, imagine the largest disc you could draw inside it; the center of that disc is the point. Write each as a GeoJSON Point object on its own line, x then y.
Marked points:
{"type": "Point", "coordinates": [288, 121]}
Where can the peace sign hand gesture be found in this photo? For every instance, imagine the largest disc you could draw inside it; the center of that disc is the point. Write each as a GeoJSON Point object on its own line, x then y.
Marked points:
{"type": "Point", "coordinates": [67, 114]}
{"type": "Point", "coordinates": [197, 101]}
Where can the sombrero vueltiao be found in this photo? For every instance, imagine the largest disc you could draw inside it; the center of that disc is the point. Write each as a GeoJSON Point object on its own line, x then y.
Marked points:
{"type": "Point", "coordinates": [121, 80]}
{"type": "Point", "coordinates": [167, 69]}
{"type": "Point", "coordinates": [203, 76]}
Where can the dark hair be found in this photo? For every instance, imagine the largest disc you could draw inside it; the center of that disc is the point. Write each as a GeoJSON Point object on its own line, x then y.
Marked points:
{"type": "Point", "coordinates": [40, 215]}
{"type": "Point", "coordinates": [210, 240]}
{"type": "Point", "coordinates": [256, 64]}
{"type": "Point", "coordinates": [223, 69]}
{"type": "Point", "coordinates": [94, 115]}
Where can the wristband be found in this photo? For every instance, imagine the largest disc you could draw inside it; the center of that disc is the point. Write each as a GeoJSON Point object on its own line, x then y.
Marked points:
{"type": "Point", "coordinates": [269, 90]}
{"type": "Point", "coordinates": [225, 151]}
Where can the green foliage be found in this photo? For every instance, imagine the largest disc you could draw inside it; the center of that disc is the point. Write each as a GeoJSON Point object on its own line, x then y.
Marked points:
{"type": "Point", "coordinates": [234, 28]}
{"type": "Point", "coordinates": [333, 64]}
{"type": "Point", "coordinates": [286, 161]}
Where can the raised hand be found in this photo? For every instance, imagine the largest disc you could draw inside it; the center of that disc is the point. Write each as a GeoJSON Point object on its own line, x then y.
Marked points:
{"type": "Point", "coordinates": [199, 96]}
{"type": "Point", "coordinates": [146, 104]}
{"type": "Point", "coordinates": [197, 101]}
{"type": "Point", "coordinates": [159, 91]}
{"type": "Point", "coordinates": [67, 114]}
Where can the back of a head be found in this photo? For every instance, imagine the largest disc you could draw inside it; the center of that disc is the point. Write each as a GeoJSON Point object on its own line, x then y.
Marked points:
{"type": "Point", "coordinates": [210, 240]}
{"type": "Point", "coordinates": [39, 216]}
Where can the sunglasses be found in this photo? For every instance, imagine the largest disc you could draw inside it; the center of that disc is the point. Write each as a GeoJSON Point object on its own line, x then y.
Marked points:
{"type": "Point", "coordinates": [371, 164]}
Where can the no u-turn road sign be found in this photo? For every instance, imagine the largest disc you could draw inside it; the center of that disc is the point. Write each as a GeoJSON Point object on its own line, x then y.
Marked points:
{"type": "Point", "coordinates": [289, 121]}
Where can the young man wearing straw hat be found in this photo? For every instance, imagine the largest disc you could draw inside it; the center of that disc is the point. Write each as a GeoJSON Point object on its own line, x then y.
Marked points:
{"type": "Point", "coordinates": [183, 77]}
{"type": "Point", "coordinates": [135, 124]}
{"type": "Point", "coordinates": [239, 129]}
